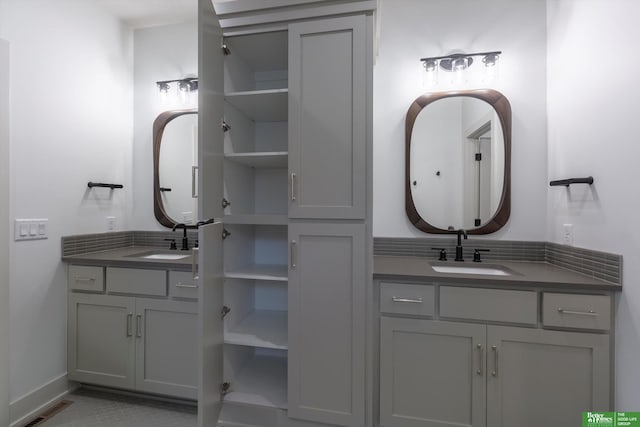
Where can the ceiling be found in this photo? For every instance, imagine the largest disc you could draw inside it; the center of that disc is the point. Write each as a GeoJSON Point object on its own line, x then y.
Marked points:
{"type": "Point", "coordinates": [149, 13]}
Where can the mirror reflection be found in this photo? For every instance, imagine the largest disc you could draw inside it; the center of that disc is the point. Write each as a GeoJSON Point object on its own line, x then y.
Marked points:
{"type": "Point", "coordinates": [175, 167]}
{"type": "Point", "coordinates": [457, 165]}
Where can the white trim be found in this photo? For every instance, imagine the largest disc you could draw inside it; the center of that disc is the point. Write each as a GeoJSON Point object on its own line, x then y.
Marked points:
{"type": "Point", "coordinates": [4, 231]}
{"type": "Point", "coordinates": [24, 408]}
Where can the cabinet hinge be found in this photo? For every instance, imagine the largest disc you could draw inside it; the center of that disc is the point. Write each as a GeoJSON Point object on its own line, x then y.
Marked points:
{"type": "Point", "coordinates": [225, 203]}
{"type": "Point", "coordinates": [225, 48]}
{"type": "Point", "coordinates": [478, 157]}
{"type": "Point", "coordinates": [225, 310]}
{"type": "Point", "coordinates": [225, 233]}
{"type": "Point", "coordinates": [225, 388]}
{"type": "Point", "coordinates": [225, 126]}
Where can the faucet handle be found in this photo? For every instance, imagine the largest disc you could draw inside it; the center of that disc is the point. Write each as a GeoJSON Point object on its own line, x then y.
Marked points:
{"type": "Point", "coordinates": [443, 253]}
{"type": "Point", "coordinates": [476, 254]}
{"type": "Point", "coordinates": [173, 244]}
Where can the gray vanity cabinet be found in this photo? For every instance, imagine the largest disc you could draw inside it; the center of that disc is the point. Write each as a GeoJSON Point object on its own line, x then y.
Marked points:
{"type": "Point", "coordinates": [101, 347]}
{"type": "Point", "coordinates": [432, 373]}
{"type": "Point", "coordinates": [539, 377]}
{"type": "Point", "coordinates": [146, 344]}
{"type": "Point", "coordinates": [327, 118]}
{"type": "Point", "coordinates": [436, 373]}
{"type": "Point", "coordinates": [166, 343]}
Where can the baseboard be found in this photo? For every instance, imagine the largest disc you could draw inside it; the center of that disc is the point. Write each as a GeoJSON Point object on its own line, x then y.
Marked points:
{"type": "Point", "coordinates": [31, 404]}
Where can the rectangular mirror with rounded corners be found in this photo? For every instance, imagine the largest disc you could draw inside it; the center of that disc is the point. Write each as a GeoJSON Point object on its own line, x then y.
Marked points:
{"type": "Point", "coordinates": [458, 161]}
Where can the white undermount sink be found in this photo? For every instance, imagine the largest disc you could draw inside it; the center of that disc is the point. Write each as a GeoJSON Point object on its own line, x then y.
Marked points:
{"type": "Point", "coordinates": [160, 255]}
{"type": "Point", "coordinates": [461, 269]}
{"type": "Point", "coordinates": [165, 256]}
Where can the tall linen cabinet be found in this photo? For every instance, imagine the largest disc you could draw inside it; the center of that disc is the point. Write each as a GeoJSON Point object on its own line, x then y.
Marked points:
{"type": "Point", "coordinates": [285, 169]}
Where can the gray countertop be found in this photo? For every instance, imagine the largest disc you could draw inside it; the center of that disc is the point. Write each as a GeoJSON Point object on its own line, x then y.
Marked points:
{"type": "Point", "coordinates": [126, 257]}
{"type": "Point", "coordinates": [538, 274]}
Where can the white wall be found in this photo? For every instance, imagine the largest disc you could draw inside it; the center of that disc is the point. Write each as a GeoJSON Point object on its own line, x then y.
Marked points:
{"type": "Point", "coordinates": [412, 29]}
{"type": "Point", "coordinates": [71, 122]}
{"type": "Point", "coordinates": [594, 128]}
{"type": "Point", "coordinates": [4, 232]}
{"type": "Point", "coordinates": [161, 53]}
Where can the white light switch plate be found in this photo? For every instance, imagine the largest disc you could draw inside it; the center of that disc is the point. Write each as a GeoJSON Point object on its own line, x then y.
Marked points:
{"type": "Point", "coordinates": [31, 229]}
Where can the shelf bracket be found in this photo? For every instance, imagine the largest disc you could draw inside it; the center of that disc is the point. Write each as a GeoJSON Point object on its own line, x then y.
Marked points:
{"type": "Point", "coordinates": [225, 310]}
{"type": "Point", "coordinates": [225, 388]}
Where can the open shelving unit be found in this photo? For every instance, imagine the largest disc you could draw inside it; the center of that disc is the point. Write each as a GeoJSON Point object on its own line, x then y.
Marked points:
{"type": "Point", "coordinates": [256, 218]}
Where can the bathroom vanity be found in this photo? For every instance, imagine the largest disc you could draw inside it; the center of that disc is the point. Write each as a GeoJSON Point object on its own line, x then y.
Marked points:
{"type": "Point", "coordinates": [132, 321]}
{"type": "Point", "coordinates": [507, 343]}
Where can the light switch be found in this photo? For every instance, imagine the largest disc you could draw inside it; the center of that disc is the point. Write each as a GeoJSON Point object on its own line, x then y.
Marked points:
{"type": "Point", "coordinates": [30, 229]}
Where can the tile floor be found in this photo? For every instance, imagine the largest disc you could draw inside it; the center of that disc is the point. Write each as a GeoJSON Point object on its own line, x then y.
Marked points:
{"type": "Point", "coordinates": [95, 408]}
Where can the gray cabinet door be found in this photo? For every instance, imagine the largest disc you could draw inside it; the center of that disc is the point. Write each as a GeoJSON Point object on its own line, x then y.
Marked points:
{"type": "Point", "coordinates": [327, 118]}
{"type": "Point", "coordinates": [210, 191]}
{"type": "Point", "coordinates": [327, 323]}
{"type": "Point", "coordinates": [210, 326]}
{"type": "Point", "coordinates": [432, 374]}
{"type": "Point", "coordinates": [101, 340]}
{"type": "Point", "coordinates": [545, 378]}
{"type": "Point", "coordinates": [166, 347]}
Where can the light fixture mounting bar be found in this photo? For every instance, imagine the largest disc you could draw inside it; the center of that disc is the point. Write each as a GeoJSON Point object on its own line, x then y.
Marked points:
{"type": "Point", "coordinates": [451, 61]}
{"type": "Point", "coordinates": [190, 82]}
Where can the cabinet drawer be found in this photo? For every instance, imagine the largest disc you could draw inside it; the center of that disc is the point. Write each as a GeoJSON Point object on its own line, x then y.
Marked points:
{"type": "Point", "coordinates": [576, 311]}
{"type": "Point", "coordinates": [496, 305]}
{"type": "Point", "coordinates": [137, 281]}
{"type": "Point", "coordinates": [85, 278]}
{"type": "Point", "coordinates": [182, 284]}
{"type": "Point", "coordinates": [401, 298]}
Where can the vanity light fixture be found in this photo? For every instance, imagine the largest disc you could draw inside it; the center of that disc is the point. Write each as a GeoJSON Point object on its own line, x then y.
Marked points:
{"type": "Point", "coordinates": [457, 63]}
{"type": "Point", "coordinates": [188, 84]}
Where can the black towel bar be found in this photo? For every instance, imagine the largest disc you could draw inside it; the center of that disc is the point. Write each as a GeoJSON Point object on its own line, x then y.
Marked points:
{"type": "Point", "coordinates": [100, 184]}
{"type": "Point", "coordinates": [568, 182]}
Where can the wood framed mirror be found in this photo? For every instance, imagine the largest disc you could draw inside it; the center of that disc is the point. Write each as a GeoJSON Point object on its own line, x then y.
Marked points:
{"type": "Point", "coordinates": [458, 161]}
{"type": "Point", "coordinates": [175, 167]}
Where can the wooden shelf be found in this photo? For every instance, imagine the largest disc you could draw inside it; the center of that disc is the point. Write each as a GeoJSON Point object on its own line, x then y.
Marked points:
{"type": "Point", "coordinates": [259, 272]}
{"type": "Point", "coordinates": [261, 328]}
{"type": "Point", "coordinates": [256, 219]}
{"type": "Point", "coordinates": [261, 105]}
{"type": "Point", "coordinates": [262, 382]}
{"type": "Point", "coordinates": [277, 159]}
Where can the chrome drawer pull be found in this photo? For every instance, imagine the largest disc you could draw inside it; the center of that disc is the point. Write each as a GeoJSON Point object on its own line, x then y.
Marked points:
{"type": "Point", "coordinates": [138, 321]}
{"type": "Point", "coordinates": [181, 285]}
{"type": "Point", "coordinates": [409, 300]}
{"type": "Point", "coordinates": [129, 319]}
{"type": "Point", "coordinates": [85, 279]}
{"type": "Point", "coordinates": [293, 255]}
{"type": "Point", "coordinates": [293, 187]}
{"type": "Point", "coordinates": [579, 313]}
{"type": "Point", "coordinates": [495, 361]}
{"type": "Point", "coordinates": [480, 359]}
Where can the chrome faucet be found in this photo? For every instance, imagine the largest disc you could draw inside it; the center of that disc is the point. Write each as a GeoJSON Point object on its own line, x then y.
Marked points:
{"type": "Point", "coordinates": [459, 254]}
